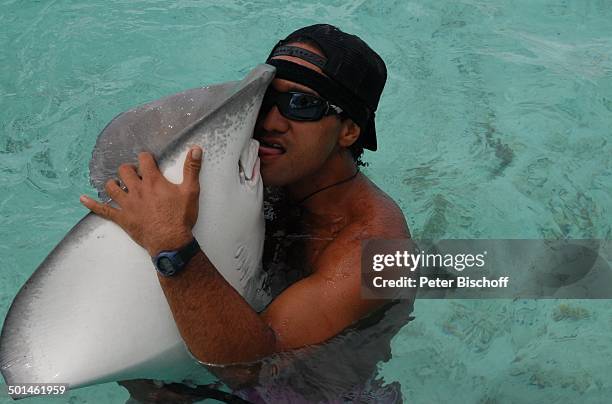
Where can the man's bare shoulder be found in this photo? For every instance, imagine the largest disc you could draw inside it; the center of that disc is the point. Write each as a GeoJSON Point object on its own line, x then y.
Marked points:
{"type": "Point", "coordinates": [376, 215]}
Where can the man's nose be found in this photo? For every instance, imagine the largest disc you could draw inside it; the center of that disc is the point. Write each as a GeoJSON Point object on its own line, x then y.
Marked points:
{"type": "Point", "coordinates": [275, 122]}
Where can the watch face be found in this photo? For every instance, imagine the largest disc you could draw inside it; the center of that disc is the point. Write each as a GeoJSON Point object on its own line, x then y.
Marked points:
{"type": "Point", "coordinates": [164, 264]}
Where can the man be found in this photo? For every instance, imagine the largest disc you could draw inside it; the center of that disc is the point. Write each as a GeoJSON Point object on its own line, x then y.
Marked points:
{"type": "Point", "coordinates": [317, 117]}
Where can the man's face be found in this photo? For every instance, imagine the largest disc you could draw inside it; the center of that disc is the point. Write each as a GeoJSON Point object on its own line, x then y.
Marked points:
{"type": "Point", "coordinates": [304, 146]}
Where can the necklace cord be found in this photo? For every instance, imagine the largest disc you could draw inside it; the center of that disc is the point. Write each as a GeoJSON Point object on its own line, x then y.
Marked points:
{"type": "Point", "coordinates": [327, 187]}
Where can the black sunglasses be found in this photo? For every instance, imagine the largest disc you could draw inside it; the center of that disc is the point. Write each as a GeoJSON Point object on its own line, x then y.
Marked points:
{"type": "Point", "coordinates": [298, 106]}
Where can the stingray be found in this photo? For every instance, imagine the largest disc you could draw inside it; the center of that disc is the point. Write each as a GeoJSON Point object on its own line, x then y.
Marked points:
{"type": "Point", "coordinates": [93, 311]}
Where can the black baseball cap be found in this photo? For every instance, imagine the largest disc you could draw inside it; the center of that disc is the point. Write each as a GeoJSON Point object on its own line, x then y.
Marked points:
{"type": "Point", "coordinates": [356, 75]}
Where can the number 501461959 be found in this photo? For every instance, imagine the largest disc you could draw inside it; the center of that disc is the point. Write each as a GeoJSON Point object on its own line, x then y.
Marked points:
{"type": "Point", "coordinates": [36, 389]}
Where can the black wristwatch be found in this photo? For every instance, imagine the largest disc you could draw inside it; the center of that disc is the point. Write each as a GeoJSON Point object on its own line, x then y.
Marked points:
{"type": "Point", "coordinates": [169, 263]}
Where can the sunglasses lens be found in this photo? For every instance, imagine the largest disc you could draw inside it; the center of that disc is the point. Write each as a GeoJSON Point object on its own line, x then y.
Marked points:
{"type": "Point", "coordinates": [293, 105]}
{"type": "Point", "coordinates": [305, 107]}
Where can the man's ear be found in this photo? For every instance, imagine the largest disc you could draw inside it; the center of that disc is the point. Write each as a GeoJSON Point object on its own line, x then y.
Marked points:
{"type": "Point", "coordinates": [349, 133]}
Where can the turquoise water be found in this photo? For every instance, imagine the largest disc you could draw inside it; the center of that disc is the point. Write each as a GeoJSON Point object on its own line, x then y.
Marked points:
{"type": "Point", "coordinates": [495, 123]}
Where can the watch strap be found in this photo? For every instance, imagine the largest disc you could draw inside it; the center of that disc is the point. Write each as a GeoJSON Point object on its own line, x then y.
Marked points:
{"type": "Point", "coordinates": [170, 263]}
{"type": "Point", "coordinates": [187, 252]}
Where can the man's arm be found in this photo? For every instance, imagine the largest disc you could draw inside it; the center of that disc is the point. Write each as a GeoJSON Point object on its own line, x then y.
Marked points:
{"type": "Point", "coordinates": [217, 324]}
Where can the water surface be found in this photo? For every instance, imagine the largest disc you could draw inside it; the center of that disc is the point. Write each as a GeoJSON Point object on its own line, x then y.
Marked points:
{"type": "Point", "coordinates": [495, 123]}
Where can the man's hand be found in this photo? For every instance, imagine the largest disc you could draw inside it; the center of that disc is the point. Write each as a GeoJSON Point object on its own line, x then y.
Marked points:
{"type": "Point", "coordinates": [156, 213]}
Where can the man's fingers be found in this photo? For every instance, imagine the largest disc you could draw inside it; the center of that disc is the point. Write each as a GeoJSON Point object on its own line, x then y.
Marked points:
{"type": "Point", "coordinates": [148, 166]}
{"type": "Point", "coordinates": [191, 169]}
{"type": "Point", "coordinates": [100, 209]}
{"type": "Point", "coordinates": [129, 176]}
{"type": "Point", "coordinates": [114, 191]}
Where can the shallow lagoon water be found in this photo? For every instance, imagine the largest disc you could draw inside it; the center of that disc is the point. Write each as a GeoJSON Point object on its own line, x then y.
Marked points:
{"type": "Point", "coordinates": [495, 123]}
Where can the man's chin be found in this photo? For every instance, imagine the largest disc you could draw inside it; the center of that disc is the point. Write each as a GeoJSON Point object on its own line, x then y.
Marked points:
{"type": "Point", "coordinates": [270, 181]}
{"type": "Point", "coordinates": [272, 178]}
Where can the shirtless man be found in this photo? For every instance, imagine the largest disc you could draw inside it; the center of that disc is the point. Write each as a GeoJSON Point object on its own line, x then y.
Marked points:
{"type": "Point", "coordinates": [317, 117]}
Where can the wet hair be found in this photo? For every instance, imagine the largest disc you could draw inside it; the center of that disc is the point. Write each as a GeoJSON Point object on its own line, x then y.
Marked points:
{"type": "Point", "coordinates": [356, 150]}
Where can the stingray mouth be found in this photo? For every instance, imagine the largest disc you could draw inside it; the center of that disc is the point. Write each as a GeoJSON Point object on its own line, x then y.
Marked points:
{"type": "Point", "coordinates": [249, 174]}
{"type": "Point", "coordinates": [248, 163]}
{"type": "Point", "coordinates": [255, 172]}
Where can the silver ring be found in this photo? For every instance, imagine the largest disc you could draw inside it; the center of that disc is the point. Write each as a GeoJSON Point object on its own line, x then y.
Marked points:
{"type": "Point", "coordinates": [123, 187]}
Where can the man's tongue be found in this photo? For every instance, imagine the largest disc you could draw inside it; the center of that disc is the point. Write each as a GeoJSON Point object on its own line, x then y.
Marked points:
{"type": "Point", "coordinates": [265, 150]}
